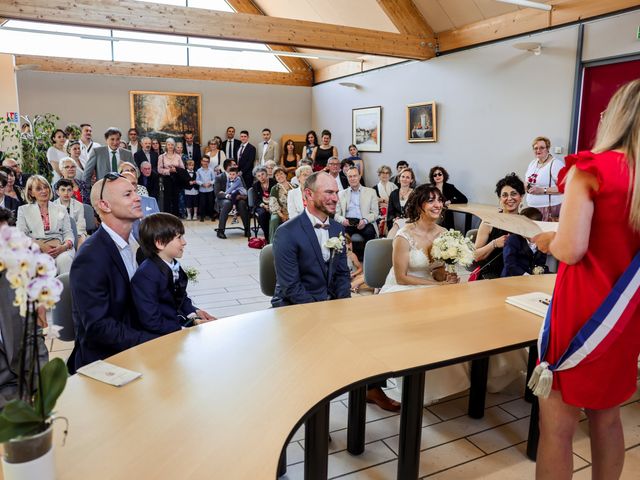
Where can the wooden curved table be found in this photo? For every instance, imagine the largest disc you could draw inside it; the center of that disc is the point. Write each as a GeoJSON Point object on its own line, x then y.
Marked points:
{"type": "Point", "coordinates": [221, 400]}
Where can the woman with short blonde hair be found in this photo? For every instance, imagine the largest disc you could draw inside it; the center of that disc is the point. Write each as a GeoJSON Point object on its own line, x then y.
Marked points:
{"type": "Point", "coordinates": [47, 224]}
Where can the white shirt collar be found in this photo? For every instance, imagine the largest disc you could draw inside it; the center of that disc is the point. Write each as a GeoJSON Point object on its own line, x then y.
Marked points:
{"type": "Point", "coordinates": [119, 241]}
{"type": "Point", "coordinates": [315, 219]}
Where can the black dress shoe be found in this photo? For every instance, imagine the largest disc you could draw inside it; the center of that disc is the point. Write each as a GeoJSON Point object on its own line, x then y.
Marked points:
{"type": "Point", "coordinates": [221, 235]}
{"type": "Point", "coordinates": [247, 233]}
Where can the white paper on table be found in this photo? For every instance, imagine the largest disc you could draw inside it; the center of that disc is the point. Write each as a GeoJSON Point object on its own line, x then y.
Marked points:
{"type": "Point", "coordinates": [536, 302]}
{"type": "Point", "coordinates": [518, 224]}
{"type": "Point", "coordinates": [108, 373]}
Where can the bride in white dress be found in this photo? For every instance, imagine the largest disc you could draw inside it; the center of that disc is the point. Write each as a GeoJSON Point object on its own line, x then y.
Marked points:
{"type": "Point", "coordinates": [413, 268]}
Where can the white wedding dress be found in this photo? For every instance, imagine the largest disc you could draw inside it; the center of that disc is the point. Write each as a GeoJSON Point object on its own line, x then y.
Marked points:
{"type": "Point", "coordinates": [507, 369]}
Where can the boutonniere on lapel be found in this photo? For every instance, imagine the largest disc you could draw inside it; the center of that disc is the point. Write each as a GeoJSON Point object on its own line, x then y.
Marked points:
{"type": "Point", "coordinates": [335, 245]}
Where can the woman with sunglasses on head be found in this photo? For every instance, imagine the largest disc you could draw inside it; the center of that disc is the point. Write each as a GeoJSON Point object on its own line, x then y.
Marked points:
{"type": "Point", "coordinates": [541, 180]}
{"type": "Point", "coordinates": [439, 177]}
{"type": "Point", "coordinates": [490, 240]}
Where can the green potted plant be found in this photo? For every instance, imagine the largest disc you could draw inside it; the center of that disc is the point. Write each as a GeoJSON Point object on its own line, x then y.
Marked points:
{"type": "Point", "coordinates": [31, 142]}
{"type": "Point", "coordinates": [26, 422]}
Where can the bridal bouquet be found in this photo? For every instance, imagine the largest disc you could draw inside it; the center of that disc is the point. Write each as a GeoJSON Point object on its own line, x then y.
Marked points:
{"type": "Point", "coordinates": [453, 249]}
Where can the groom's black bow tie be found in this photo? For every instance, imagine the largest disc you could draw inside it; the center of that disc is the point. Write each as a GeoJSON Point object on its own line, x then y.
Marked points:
{"type": "Point", "coordinates": [324, 226]}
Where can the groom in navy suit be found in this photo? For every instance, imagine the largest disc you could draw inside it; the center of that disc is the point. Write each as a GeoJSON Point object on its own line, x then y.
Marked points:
{"type": "Point", "coordinates": [306, 277]}
{"type": "Point", "coordinates": [304, 271]}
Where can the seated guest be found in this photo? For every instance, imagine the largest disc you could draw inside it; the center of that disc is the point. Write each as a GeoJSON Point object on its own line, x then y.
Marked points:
{"type": "Point", "coordinates": [191, 194]}
{"type": "Point", "coordinates": [159, 285]}
{"type": "Point", "coordinates": [303, 162]}
{"type": "Point", "coordinates": [225, 205]}
{"type": "Point", "coordinates": [398, 201]}
{"type": "Point", "coordinates": [278, 200]}
{"type": "Point", "coordinates": [383, 189]}
{"type": "Point", "coordinates": [21, 178]}
{"type": "Point", "coordinates": [520, 256]}
{"type": "Point", "coordinates": [12, 189]}
{"type": "Point", "coordinates": [5, 201]}
{"type": "Point", "coordinates": [346, 164]}
{"type": "Point", "coordinates": [401, 165]}
{"type": "Point", "coordinates": [81, 191]}
{"type": "Point", "coordinates": [295, 203]}
{"type": "Point", "coordinates": [355, 267]}
{"type": "Point", "coordinates": [357, 208]}
{"type": "Point", "coordinates": [149, 179]}
{"type": "Point", "coordinates": [46, 223]}
{"type": "Point", "coordinates": [127, 167]}
{"type": "Point", "coordinates": [490, 240]}
{"type": "Point", "coordinates": [205, 179]}
{"type": "Point", "coordinates": [334, 167]}
{"type": "Point", "coordinates": [146, 154]}
{"type": "Point", "coordinates": [148, 204]}
{"type": "Point", "coordinates": [289, 159]}
{"type": "Point", "coordinates": [261, 192]}
{"type": "Point", "coordinates": [75, 209]}
{"type": "Point", "coordinates": [270, 165]}
{"type": "Point", "coordinates": [104, 314]}
{"type": "Point", "coordinates": [439, 177]}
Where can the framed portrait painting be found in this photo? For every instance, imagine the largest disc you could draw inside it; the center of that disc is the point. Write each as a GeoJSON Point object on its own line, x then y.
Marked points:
{"type": "Point", "coordinates": [421, 122]}
{"type": "Point", "coordinates": [166, 114]}
{"type": "Point", "coordinates": [366, 126]}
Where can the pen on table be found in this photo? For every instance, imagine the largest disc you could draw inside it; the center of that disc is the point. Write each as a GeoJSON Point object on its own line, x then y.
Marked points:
{"type": "Point", "coordinates": [544, 301]}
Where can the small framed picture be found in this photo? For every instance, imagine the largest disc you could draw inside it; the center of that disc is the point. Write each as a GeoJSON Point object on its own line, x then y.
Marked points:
{"type": "Point", "coordinates": [366, 128]}
{"type": "Point", "coordinates": [421, 122]}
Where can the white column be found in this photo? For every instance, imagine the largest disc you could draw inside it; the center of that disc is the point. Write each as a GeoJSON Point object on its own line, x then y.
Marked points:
{"type": "Point", "coordinates": [8, 93]}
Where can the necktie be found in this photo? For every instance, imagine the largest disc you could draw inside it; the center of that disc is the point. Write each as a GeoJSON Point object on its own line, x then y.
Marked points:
{"type": "Point", "coordinates": [324, 226]}
{"type": "Point", "coordinates": [229, 148]}
{"type": "Point", "coordinates": [114, 161]}
{"type": "Point", "coordinates": [175, 269]}
{"type": "Point", "coordinates": [69, 210]}
{"type": "Point", "coordinates": [240, 152]}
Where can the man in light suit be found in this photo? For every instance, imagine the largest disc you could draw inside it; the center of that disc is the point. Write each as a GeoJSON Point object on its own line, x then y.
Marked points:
{"type": "Point", "coordinates": [357, 208]}
{"type": "Point", "coordinates": [103, 310]}
{"type": "Point", "coordinates": [246, 158]}
{"type": "Point", "coordinates": [149, 205]}
{"type": "Point", "coordinates": [230, 146]}
{"type": "Point", "coordinates": [103, 160]}
{"type": "Point", "coordinates": [268, 149]}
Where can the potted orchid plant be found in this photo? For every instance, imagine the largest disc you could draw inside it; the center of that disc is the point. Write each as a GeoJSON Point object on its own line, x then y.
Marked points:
{"type": "Point", "coordinates": [26, 422]}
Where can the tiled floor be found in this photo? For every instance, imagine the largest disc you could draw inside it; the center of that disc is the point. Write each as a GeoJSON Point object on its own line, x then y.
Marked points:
{"type": "Point", "coordinates": [454, 447]}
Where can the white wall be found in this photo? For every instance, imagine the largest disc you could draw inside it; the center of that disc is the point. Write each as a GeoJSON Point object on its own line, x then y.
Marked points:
{"type": "Point", "coordinates": [103, 101]}
{"type": "Point", "coordinates": [8, 92]}
{"type": "Point", "coordinates": [492, 101]}
{"type": "Point", "coordinates": [611, 36]}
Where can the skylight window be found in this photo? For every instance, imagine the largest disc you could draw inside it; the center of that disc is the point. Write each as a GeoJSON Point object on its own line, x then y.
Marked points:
{"type": "Point", "coordinates": [46, 39]}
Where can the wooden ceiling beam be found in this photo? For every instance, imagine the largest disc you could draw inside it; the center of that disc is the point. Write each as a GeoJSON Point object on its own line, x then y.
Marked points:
{"type": "Point", "coordinates": [292, 63]}
{"type": "Point", "coordinates": [407, 18]}
{"type": "Point", "coordinates": [528, 20]}
{"type": "Point", "coordinates": [166, 19]}
{"type": "Point", "coordinates": [102, 67]}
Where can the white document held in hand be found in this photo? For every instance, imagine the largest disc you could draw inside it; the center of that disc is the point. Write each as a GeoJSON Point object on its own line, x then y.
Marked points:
{"type": "Point", "coordinates": [108, 373]}
{"type": "Point", "coordinates": [536, 302]}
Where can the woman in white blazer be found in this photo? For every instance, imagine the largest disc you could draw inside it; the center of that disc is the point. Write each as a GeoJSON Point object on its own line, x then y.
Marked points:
{"type": "Point", "coordinates": [46, 223]}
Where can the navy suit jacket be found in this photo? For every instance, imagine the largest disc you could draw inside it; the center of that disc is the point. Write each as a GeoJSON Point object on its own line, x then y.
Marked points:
{"type": "Point", "coordinates": [302, 275]}
{"type": "Point", "coordinates": [158, 299]}
{"type": "Point", "coordinates": [246, 163]}
{"type": "Point", "coordinates": [519, 258]}
{"type": "Point", "coordinates": [236, 147]}
{"type": "Point", "coordinates": [103, 310]}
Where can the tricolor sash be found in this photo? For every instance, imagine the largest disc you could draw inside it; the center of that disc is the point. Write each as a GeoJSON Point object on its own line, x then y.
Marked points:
{"type": "Point", "coordinates": [596, 335]}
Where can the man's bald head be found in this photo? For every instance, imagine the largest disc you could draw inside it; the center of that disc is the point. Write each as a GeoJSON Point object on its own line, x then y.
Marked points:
{"type": "Point", "coordinates": [119, 201]}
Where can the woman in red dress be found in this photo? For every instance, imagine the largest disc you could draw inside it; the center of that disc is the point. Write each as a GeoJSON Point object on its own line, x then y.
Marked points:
{"type": "Point", "coordinates": [598, 236]}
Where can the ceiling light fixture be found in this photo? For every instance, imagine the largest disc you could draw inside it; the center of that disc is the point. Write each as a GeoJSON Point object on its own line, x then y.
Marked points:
{"type": "Point", "coordinates": [533, 47]}
{"type": "Point", "coordinates": [528, 4]}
